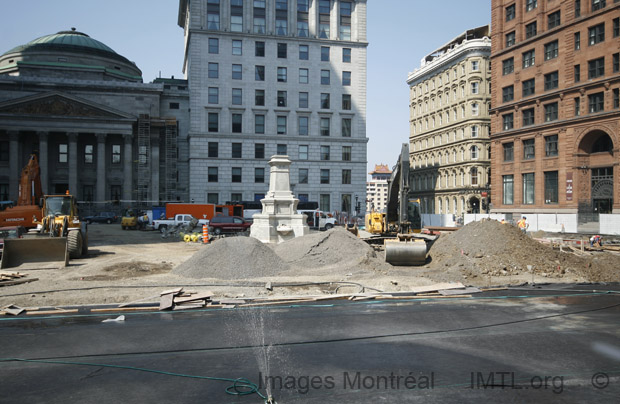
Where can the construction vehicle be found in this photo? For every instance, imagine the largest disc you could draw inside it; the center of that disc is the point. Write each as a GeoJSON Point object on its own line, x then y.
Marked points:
{"type": "Point", "coordinates": [401, 225]}
{"type": "Point", "coordinates": [27, 208]}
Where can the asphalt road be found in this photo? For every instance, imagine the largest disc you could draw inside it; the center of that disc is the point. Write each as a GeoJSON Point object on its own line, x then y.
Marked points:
{"type": "Point", "coordinates": [517, 346]}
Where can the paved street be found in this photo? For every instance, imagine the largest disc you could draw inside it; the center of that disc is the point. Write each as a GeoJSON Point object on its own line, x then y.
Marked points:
{"type": "Point", "coordinates": [510, 346]}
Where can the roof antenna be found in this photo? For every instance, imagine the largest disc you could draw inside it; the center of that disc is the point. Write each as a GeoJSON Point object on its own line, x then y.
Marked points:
{"type": "Point", "coordinates": [72, 28]}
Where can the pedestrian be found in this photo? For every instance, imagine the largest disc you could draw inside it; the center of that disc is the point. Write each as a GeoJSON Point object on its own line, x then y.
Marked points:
{"type": "Point", "coordinates": [596, 240]}
{"type": "Point", "coordinates": [523, 224]}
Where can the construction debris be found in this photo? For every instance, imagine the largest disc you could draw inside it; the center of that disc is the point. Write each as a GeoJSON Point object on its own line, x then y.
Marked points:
{"type": "Point", "coordinates": [14, 278]}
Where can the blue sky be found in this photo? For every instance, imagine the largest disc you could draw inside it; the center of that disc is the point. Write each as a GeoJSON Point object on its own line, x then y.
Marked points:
{"type": "Point", "coordinates": [400, 32]}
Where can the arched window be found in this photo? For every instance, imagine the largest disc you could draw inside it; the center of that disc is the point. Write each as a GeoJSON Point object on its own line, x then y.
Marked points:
{"type": "Point", "coordinates": [474, 152]}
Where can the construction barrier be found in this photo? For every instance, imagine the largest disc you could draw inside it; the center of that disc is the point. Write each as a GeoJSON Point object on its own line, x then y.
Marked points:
{"type": "Point", "coordinates": [205, 234]}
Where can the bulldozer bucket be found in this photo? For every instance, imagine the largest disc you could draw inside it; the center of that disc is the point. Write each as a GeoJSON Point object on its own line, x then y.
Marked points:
{"type": "Point", "coordinates": [405, 252]}
{"type": "Point", "coordinates": [35, 253]}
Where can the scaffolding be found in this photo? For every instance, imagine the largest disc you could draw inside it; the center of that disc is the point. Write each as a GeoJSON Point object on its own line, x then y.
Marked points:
{"type": "Point", "coordinates": [171, 158]}
{"type": "Point", "coordinates": [144, 153]}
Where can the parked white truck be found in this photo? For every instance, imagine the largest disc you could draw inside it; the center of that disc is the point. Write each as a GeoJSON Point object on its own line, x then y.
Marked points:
{"type": "Point", "coordinates": [317, 219]}
{"type": "Point", "coordinates": [179, 220]}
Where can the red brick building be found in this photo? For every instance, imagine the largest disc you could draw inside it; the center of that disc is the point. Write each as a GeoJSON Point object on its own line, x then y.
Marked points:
{"type": "Point", "coordinates": [555, 122]}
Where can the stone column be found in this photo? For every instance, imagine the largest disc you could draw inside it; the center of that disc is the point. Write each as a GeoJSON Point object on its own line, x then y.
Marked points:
{"type": "Point", "coordinates": [155, 170]}
{"type": "Point", "coordinates": [128, 168]}
{"type": "Point", "coordinates": [101, 173]}
{"type": "Point", "coordinates": [73, 163]}
{"type": "Point", "coordinates": [44, 160]}
{"type": "Point", "coordinates": [13, 164]}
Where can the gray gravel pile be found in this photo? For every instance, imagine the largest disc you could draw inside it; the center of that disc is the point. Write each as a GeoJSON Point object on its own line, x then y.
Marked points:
{"type": "Point", "coordinates": [233, 258]}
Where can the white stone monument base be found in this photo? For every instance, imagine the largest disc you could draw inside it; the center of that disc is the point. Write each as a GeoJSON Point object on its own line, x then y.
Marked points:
{"type": "Point", "coordinates": [270, 228]}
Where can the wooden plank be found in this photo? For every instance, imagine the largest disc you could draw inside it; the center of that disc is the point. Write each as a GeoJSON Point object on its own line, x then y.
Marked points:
{"type": "Point", "coordinates": [124, 309]}
{"type": "Point", "coordinates": [48, 312]}
{"type": "Point", "coordinates": [13, 310]}
{"type": "Point", "coordinates": [166, 302]}
{"type": "Point", "coordinates": [278, 303]}
{"type": "Point", "coordinates": [11, 283]}
{"type": "Point", "coordinates": [430, 288]}
{"type": "Point", "coordinates": [423, 297]}
{"type": "Point", "coordinates": [175, 291]}
{"type": "Point", "coordinates": [451, 292]}
{"type": "Point", "coordinates": [230, 301]}
{"type": "Point", "coordinates": [139, 301]}
{"type": "Point", "coordinates": [12, 274]}
{"type": "Point", "coordinates": [198, 296]}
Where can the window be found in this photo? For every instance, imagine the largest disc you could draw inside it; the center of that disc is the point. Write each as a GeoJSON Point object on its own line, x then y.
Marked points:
{"type": "Point", "coordinates": [528, 189]}
{"type": "Point", "coordinates": [324, 22]}
{"type": "Point", "coordinates": [596, 68]}
{"type": "Point", "coordinates": [325, 153]}
{"type": "Point", "coordinates": [508, 66]}
{"type": "Point", "coordinates": [324, 53]}
{"type": "Point", "coordinates": [212, 174]}
{"type": "Point", "coordinates": [236, 174]}
{"type": "Point", "coordinates": [346, 102]}
{"type": "Point", "coordinates": [237, 72]}
{"type": "Point", "coordinates": [237, 47]}
{"type": "Point", "coordinates": [596, 34]}
{"type": "Point", "coordinates": [528, 117]}
{"type": "Point", "coordinates": [281, 149]}
{"type": "Point", "coordinates": [213, 14]}
{"type": "Point", "coordinates": [281, 101]}
{"type": "Point", "coordinates": [551, 50]}
{"type": "Point", "coordinates": [597, 4]}
{"type": "Point", "coordinates": [324, 101]}
{"type": "Point", "coordinates": [616, 29]}
{"type": "Point", "coordinates": [259, 151]}
{"type": "Point", "coordinates": [551, 81]}
{"type": "Point", "coordinates": [577, 73]}
{"type": "Point", "coordinates": [303, 175]}
{"type": "Point", "coordinates": [259, 124]}
{"type": "Point", "coordinates": [213, 121]}
{"type": "Point", "coordinates": [551, 146]}
{"type": "Point", "coordinates": [324, 128]}
{"type": "Point", "coordinates": [508, 93]}
{"type": "Point", "coordinates": [551, 187]}
{"type": "Point", "coordinates": [303, 152]}
{"type": "Point", "coordinates": [303, 7]}
{"type": "Point", "coordinates": [529, 87]}
{"type": "Point", "coordinates": [510, 39]}
{"type": "Point", "coordinates": [304, 52]}
{"type": "Point", "coordinates": [346, 55]}
{"type": "Point", "coordinates": [474, 152]}
{"type": "Point", "coordinates": [213, 151]}
{"type": "Point", "coordinates": [303, 100]}
{"type": "Point", "coordinates": [281, 125]}
{"type": "Point", "coordinates": [324, 176]}
{"type": "Point", "coordinates": [475, 66]}
{"type": "Point", "coordinates": [530, 5]}
{"type": "Point", "coordinates": [282, 75]}
{"type": "Point", "coordinates": [346, 127]}
{"type": "Point", "coordinates": [345, 20]}
{"type": "Point", "coordinates": [259, 175]}
{"type": "Point", "coordinates": [577, 103]}
{"type": "Point", "coordinates": [213, 70]}
{"type": "Point", "coordinates": [346, 153]}
{"type": "Point", "coordinates": [529, 58]}
{"type": "Point", "coordinates": [616, 63]}
{"type": "Point", "coordinates": [510, 12]}
{"type": "Point", "coordinates": [528, 149]}
{"type": "Point", "coordinates": [259, 97]}
{"type": "Point", "coordinates": [259, 49]}
{"type": "Point", "coordinates": [346, 177]}
{"type": "Point", "coordinates": [551, 112]}
{"type": "Point", "coordinates": [530, 30]}
{"type": "Point", "coordinates": [214, 95]}
{"type": "Point", "coordinates": [212, 198]}
{"type": "Point", "coordinates": [282, 17]}
{"type": "Point", "coordinates": [475, 109]}
{"type": "Point", "coordinates": [474, 131]}
{"type": "Point", "coordinates": [577, 8]}
{"type": "Point", "coordinates": [236, 15]}
{"type": "Point", "coordinates": [475, 87]}
{"type": "Point", "coordinates": [508, 151]}
{"type": "Point", "coordinates": [508, 185]}
{"type": "Point", "coordinates": [303, 126]}
{"type": "Point", "coordinates": [325, 77]}
{"type": "Point", "coordinates": [281, 50]}
{"type": "Point", "coordinates": [577, 40]}
{"type": "Point", "coordinates": [88, 154]}
{"type": "Point", "coordinates": [237, 96]}
{"type": "Point", "coordinates": [595, 102]}
{"type": "Point", "coordinates": [346, 78]}
{"type": "Point", "coordinates": [616, 98]}
{"type": "Point", "coordinates": [4, 154]}
{"type": "Point", "coordinates": [214, 45]}
{"type": "Point", "coordinates": [237, 120]}
{"type": "Point", "coordinates": [259, 73]}
{"type": "Point", "coordinates": [554, 19]}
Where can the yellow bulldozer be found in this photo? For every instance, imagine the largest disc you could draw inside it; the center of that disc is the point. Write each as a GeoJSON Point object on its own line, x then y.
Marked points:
{"type": "Point", "coordinates": [62, 235]}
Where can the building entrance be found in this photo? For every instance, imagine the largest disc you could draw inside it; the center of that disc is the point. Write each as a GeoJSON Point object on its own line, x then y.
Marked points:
{"type": "Point", "coordinates": [602, 190]}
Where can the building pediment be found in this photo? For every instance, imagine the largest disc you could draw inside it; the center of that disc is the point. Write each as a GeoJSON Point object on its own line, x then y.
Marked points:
{"type": "Point", "coordinates": [59, 105]}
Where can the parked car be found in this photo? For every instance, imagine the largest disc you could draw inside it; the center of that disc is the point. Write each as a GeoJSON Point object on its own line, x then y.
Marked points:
{"type": "Point", "coordinates": [10, 232]}
{"type": "Point", "coordinates": [102, 217]}
{"type": "Point", "coordinates": [228, 224]}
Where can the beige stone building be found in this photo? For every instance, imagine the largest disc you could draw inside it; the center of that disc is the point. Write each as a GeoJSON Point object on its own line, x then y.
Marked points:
{"type": "Point", "coordinates": [377, 188]}
{"type": "Point", "coordinates": [449, 145]}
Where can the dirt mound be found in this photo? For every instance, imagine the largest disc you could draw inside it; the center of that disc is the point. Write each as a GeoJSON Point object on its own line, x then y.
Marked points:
{"type": "Point", "coordinates": [333, 248]}
{"type": "Point", "coordinates": [232, 258]}
{"type": "Point", "coordinates": [491, 248]}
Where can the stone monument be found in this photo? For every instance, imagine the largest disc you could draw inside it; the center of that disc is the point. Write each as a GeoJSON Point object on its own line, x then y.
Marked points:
{"type": "Point", "coordinates": [279, 220]}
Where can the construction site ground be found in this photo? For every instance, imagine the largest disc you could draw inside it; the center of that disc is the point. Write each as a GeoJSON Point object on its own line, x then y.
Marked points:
{"type": "Point", "coordinates": [136, 266]}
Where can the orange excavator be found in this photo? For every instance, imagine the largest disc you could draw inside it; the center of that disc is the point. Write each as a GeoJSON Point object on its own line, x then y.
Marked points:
{"type": "Point", "coordinates": [27, 211]}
